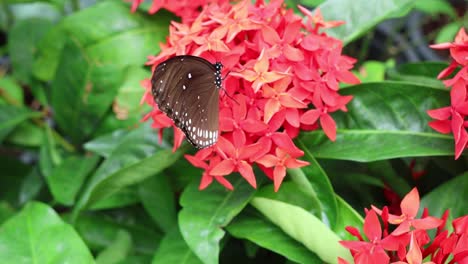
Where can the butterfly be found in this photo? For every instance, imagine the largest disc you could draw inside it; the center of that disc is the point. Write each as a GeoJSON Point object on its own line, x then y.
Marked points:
{"type": "Point", "coordinates": [186, 89]}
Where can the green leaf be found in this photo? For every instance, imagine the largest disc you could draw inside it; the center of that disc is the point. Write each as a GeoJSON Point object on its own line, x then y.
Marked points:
{"type": "Point", "coordinates": [13, 174]}
{"type": "Point", "coordinates": [105, 144]}
{"type": "Point", "coordinates": [267, 235]}
{"type": "Point", "coordinates": [435, 7]}
{"type": "Point", "coordinates": [357, 22]}
{"type": "Point", "coordinates": [99, 232]}
{"type": "Point", "coordinates": [26, 134]}
{"type": "Point", "coordinates": [12, 116]}
{"type": "Point", "coordinates": [438, 200]}
{"type": "Point", "coordinates": [126, 108]}
{"type": "Point", "coordinates": [347, 216]}
{"type": "Point", "coordinates": [107, 33]}
{"type": "Point", "coordinates": [205, 212]}
{"type": "Point", "coordinates": [31, 186]}
{"type": "Point", "coordinates": [66, 180]}
{"type": "Point", "coordinates": [315, 180]}
{"type": "Point", "coordinates": [44, 238]}
{"type": "Point", "coordinates": [124, 197]}
{"type": "Point", "coordinates": [371, 71]}
{"type": "Point", "coordinates": [117, 251]}
{"type": "Point", "coordinates": [10, 92]}
{"type": "Point", "coordinates": [130, 92]}
{"type": "Point", "coordinates": [173, 249]}
{"type": "Point", "coordinates": [419, 73]}
{"type": "Point", "coordinates": [136, 157]}
{"type": "Point", "coordinates": [448, 32]}
{"type": "Point", "coordinates": [293, 192]}
{"type": "Point", "coordinates": [303, 227]}
{"type": "Point", "coordinates": [21, 10]}
{"type": "Point", "coordinates": [385, 120]}
{"type": "Point", "coordinates": [49, 155]}
{"type": "Point", "coordinates": [81, 99]}
{"type": "Point", "coordinates": [157, 197]}
{"type": "Point", "coordinates": [6, 211]}
{"type": "Point", "coordinates": [23, 38]}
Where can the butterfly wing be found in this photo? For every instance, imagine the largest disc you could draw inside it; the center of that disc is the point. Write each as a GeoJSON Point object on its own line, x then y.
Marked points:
{"type": "Point", "coordinates": [184, 88]}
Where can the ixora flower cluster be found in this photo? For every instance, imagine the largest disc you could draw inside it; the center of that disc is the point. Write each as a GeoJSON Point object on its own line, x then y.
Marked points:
{"type": "Point", "coordinates": [451, 119]}
{"type": "Point", "coordinates": [283, 77]}
{"type": "Point", "coordinates": [409, 241]}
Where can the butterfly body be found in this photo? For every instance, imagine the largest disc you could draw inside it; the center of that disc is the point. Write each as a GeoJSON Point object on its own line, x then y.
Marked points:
{"type": "Point", "coordinates": [186, 89]}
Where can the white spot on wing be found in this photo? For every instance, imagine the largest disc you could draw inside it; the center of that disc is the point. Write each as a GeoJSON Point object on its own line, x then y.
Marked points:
{"type": "Point", "coordinates": [189, 75]}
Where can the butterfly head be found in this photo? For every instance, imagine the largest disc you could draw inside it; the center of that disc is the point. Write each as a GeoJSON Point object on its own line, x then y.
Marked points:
{"type": "Point", "coordinates": [218, 66]}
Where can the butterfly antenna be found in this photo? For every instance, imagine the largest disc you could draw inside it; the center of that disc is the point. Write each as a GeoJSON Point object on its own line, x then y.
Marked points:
{"type": "Point", "coordinates": [226, 93]}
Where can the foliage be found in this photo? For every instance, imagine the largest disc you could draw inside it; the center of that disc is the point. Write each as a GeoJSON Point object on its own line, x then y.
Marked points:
{"type": "Point", "coordinates": [83, 180]}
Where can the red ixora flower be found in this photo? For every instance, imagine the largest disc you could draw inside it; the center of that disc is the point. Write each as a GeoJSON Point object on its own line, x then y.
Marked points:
{"type": "Point", "coordinates": [409, 242]}
{"type": "Point", "coordinates": [273, 78]}
{"type": "Point", "coordinates": [451, 119]}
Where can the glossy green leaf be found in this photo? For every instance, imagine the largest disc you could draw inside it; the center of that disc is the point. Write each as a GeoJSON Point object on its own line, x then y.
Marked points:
{"type": "Point", "coordinates": [438, 200]}
{"type": "Point", "coordinates": [66, 180]}
{"type": "Point", "coordinates": [107, 33]}
{"type": "Point", "coordinates": [315, 180]}
{"type": "Point", "coordinates": [436, 7]}
{"type": "Point", "coordinates": [385, 120]}
{"type": "Point", "coordinates": [105, 144]}
{"type": "Point", "coordinates": [136, 157]}
{"type": "Point", "coordinates": [130, 93]}
{"type": "Point", "coordinates": [6, 211]}
{"type": "Point", "coordinates": [124, 197]}
{"type": "Point", "coordinates": [10, 91]}
{"type": "Point", "coordinates": [347, 216]}
{"type": "Point", "coordinates": [158, 199]}
{"type": "Point", "coordinates": [23, 38]}
{"type": "Point", "coordinates": [205, 212]}
{"type": "Point", "coordinates": [269, 236]}
{"type": "Point", "coordinates": [22, 10]}
{"type": "Point", "coordinates": [294, 193]}
{"type": "Point", "coordinates": [370, 71]}
{"type": "Point", "coordinates": [31, 186]}
{"type": "Point", "coordinates": [49, 155]}
{"type": "Point", "coordinates": [99, 232]}
{"type": "Point", "coordinates": [418, 73]}
{"type": "Point", "coordinates": [26, 134]}
{"type": "Point", "coordinates": [12, 176]}
{"type": "Point", "coordinates": [44, 238]}
{"type": "Point", "coordinates": [12, 116]}
{"type": "Point", "coordinates": [357, 21]}
{"type": "Point", "coordinates": [117, 251]}
{"type": "Point", "coordinates": [303, 227]}
{"type": "Point", "coordinates": [173, 249]}
{"type": "Point", "coordinates": [81, 99]}
{"type": "Point", "coordinates": [448, 32]}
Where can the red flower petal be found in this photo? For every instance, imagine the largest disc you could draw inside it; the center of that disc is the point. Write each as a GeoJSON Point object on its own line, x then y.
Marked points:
{"type": "Point", "coordinates": [425, 223]}
{"type": "Point", "coordinates": [222, 180]}
{"type": "Point", "coordinates": [278, 175]}
{"type": "Point", "coordinates": [225, 167]}
{"type": "Point", "coordinates": [410, 203]}
{"type": "Point", "coordinates": [372, 227]}
{"type": "Point", "coordinates": [293, 54]}
{"type": "Point", "coordinates": [268, 160]}
{"type": "Point", "coordinates": [443, 126]}
{"type": "Point", "coordinates": [205, 181]}
{"type": "Point", "coordinates": [247, 172]}
{"type": "Point", "coordinates": [328, 126]}
{"type": "Point", "coordinates": [310, 117]}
